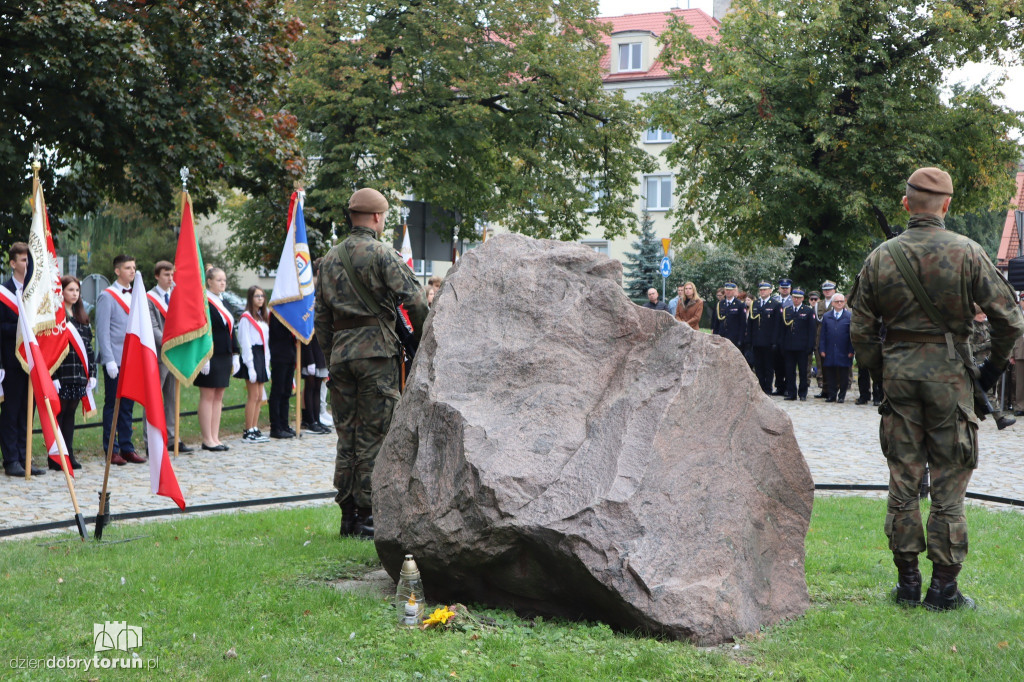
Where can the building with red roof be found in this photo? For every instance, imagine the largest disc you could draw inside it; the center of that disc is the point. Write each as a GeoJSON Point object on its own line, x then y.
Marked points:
{"type": "Point", "coordinates": [631, 65]}
{"type": "Point", "coordinates": [1009, 244]}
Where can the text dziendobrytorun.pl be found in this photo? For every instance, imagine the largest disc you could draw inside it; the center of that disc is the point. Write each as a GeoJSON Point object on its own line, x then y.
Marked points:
{"type": "Point", "coordinates": [85, 664]}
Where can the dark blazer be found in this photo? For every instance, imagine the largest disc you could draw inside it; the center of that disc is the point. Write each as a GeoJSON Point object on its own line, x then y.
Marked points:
{"type": "Point", "coordinates": [763, 323]}
{"type": "Point", "coordinates": [729, 320]}
{"type": "Point", "coordinates": [798, 329]}
{"type": "Point", "coordinates": [835, 339]}
{"type": "Point", "coordinates": [71, 371]}
{"type": "Point", "coordinates": [224, 341]}
{"type": "Point", "coordinates": [282, 343]}
{"type": "Point", "coordinates": [8, 332]}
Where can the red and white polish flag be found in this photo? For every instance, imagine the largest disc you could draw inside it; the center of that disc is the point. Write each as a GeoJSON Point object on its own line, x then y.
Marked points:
{"type": "Point", "coordinates": [42, 388]}
{"type": "Point", "coordinates": [139, 380]}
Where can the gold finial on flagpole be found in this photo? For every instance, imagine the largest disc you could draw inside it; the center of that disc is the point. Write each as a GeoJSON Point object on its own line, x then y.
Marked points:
{"type": "Point", "coordinates": [185, 175]}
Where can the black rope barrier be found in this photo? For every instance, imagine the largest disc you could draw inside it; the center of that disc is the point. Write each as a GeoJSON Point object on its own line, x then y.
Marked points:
{"type": "Point", "coordinates": [239, 504]}
{"type": "Point", "coordinates": [169, 511]}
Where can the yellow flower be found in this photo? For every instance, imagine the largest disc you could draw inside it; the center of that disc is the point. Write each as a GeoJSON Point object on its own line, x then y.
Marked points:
{"type": "Point", "coordinates": [440, 616]}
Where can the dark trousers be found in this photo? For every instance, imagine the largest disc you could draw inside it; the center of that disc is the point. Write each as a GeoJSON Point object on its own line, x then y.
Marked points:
{"type": "Point", "coordinates": [782, 380]}
{"type": "Point", "coordinates": [311, 399]}
{"type": "Point", "coordinates": [837, 380]}
{"type": "Point", "coordinates": [123, 442]}
{"type": "Point", "coordinates": [281, 374]}
{"type": "Point", "coordinates": [13, 415]}
{"type": "Point", "coordinates": [864, 385]}
{"type": "Point", "coordinates": [796, 360]}
{"type": "Point", "coordinates": [68, 408]}
{"type": "Point", "coordinates": [764, 367]}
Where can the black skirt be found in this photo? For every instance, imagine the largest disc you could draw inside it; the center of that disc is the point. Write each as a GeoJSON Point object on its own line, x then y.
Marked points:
{"type": "Point", "coordinates": [220, 373]}
{"type": "Point", "coordinates": [258, 359]}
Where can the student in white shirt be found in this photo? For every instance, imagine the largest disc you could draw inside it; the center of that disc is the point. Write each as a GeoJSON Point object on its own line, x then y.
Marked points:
{"type": "Point", "coordinates": [253, 335]}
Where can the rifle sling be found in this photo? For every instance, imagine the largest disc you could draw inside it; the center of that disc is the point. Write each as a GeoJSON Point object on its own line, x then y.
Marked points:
{"type": "Point", "coordinates": [903, 265]}
{"type": "Point", "coordinates": [364, 295]}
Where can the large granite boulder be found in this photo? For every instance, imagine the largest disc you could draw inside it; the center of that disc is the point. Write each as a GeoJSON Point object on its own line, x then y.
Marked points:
{"type": "Point", "coordinates": [562, 451]}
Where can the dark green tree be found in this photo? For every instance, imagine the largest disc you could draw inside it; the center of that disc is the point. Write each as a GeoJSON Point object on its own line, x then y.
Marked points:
{"type": "Point", "coordinates": [807, 118]}
{"type": "Point", "coordinates": [493, 109]}
{"type": "Point", "coordinates": [121, 94]}
{"type": "Point", "coordinates": [984, 227]}
{"type": "Point", "coordinates": [641, 269]}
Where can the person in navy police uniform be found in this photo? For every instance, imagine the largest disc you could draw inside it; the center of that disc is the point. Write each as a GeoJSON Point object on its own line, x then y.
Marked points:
{"type": "Point", "coordinates": [797, 332]}
{"type": "Point", "coordinates": [729, 317]}
{"type": "Point", "coordinates": [763, 335]}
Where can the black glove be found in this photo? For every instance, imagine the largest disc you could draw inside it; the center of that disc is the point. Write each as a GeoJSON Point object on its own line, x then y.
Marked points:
{"type": "Point", "coordinates": [988, 375]}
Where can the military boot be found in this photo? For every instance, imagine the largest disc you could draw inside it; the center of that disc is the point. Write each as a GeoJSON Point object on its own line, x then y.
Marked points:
{"type": "Point", "coordinates": [364, 523]}
{"type": "Point", "coordinates": [943, 594]}
{"type": "Point", "coordinates": [348, 518]}
{"type": "Point", "coordinates": [908, 583]}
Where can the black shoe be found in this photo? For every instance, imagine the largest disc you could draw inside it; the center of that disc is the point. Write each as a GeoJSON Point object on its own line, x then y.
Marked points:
{"type": "Point", "coordinates": [778, 393]}
{"type": "Point", "coordinates": [790, 397]}
{"type": "Point", "coordinates": [363, 527]}
{"type": "Point", "coordinates": [1018, 413]}
{"type": "Point", "coordinates": [52, 466]}
{"type": "Point", "coordinates": [75, 464]}
{"type": "Point", "coordinates": [908, 584]}
{"type": "Point", "coordinates": [215, 448]}
{"type": "Point", "coordinates": [183, 448]}
{"type": "Point", "coordinates": [803, 397]}
{"type": "Point", "coordinates": [840, 400]}
{"type": "Point", "coordinates": [281, 434]}
{"type": "Point", "coordinates": [821, 395]}
{"type": "Point", "coordinates": [860, 401]}
{"type": "Point", "coordinates": [348, 519]}
{"type": "Point", "coordinates": [947, 597]}
{"type": "Point", "coordinates": [830, 400]}
{"type": "Point", "coordinates": [289, 429]}
{"type": "Point", "coordinates": [876, 403]}
{"type": "Point", "coordinates": [15, 469]}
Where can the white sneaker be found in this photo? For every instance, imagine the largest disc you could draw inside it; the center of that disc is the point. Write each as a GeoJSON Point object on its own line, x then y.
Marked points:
{"type": "Point", "coordinates": [260, 438]}
{"type": "Point", "coordinates": [249, 436]}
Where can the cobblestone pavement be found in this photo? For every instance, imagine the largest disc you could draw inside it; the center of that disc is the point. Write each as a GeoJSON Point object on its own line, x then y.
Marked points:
{"type": "Point", "coordinates": [840, 443]}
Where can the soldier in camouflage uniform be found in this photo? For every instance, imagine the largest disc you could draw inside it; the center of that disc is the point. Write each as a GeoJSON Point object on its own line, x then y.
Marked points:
{"type": "Point", "coordinates": [364, 350]}
{"type": "Point", "coordinates": [928, 412]}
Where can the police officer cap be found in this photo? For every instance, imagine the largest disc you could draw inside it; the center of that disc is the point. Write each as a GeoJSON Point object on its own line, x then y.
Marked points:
{"type": "Point", "coordinates": [934, 180]}
{"type": "Point", "coordinates": [798, 292]}
{"type": "Point", "coordinates": [764, 285]}
{"type": "Point", "coordinates": [785, 282]}
{"type": "Point", "coordinates": [729, 285]}
{"type": "Point", "coordinates": [827, 285]}
{"type": "Point", "coordinates": [367, 200]}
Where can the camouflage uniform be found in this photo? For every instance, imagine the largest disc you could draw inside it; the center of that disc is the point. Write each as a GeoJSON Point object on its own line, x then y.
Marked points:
{"type": "Point", "coordinates": [364, 354]}
{"type": "Point", "coordinates": [932, 421]}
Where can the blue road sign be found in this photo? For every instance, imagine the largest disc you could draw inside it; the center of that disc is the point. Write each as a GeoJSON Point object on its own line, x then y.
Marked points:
{"type": "Point", "coordinates": [666, 266]}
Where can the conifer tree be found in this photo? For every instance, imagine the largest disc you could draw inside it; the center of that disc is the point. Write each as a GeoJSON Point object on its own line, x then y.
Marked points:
{"type": "Point", "coordinates": [641, 270]}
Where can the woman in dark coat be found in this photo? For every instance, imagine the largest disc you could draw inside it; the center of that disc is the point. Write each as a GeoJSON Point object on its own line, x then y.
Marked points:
{"type": "Point", "coordinates": [215, 375]}
{"type": "Point", "coordinates": [73, 377]}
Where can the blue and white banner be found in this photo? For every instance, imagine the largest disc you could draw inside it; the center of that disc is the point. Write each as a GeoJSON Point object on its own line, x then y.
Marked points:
{"type": "Point", "coordinates": [292, 298]}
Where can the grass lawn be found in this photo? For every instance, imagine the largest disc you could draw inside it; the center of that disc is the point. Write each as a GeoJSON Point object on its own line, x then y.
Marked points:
{"type": "Point", "coordinates": [257, 584]}
{"type": "Point", "coordinates": [87, 440]}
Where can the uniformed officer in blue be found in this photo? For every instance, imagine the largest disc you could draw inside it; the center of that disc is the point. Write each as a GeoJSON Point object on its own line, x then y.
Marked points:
{"type": "Point", "coordinates": [796, 340]}
{"type": "Point", "coordinates": [729, 318]}
{"type": "Point", "coordinates": [785, 299]}
{"type": "Point", "coordinates": [763, 334]}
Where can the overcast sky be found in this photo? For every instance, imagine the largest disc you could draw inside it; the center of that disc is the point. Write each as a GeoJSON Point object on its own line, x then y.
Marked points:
{"type": "Point", "coordinates": [1013, 92]}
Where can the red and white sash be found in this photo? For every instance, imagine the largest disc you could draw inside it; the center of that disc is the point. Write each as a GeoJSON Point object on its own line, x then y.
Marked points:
{"type": "Point", "coordinates": [9, 299]}
{"type": "Point", "coordinates": [78, 344]}
{"type": "Point", "coordinates": [256, 325]}
{"type": "Point", "coordinates": [229, 322]}
{"type": "Point", "coordinates": [158, 302]}
{"type": "Point", "coordinates": [115, 292]}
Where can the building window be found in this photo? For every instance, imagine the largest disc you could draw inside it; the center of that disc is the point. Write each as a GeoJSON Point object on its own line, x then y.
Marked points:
{"type": "Point", "coordinates": [596, 194]}
{"type": "Point", "coordinates": [658, 135]}
{"type": "Point", "coordinates": [658, 190]}
{"type": "Point", "coordinates": [423, 268]}
{"type": "Point", "coordinates": [600, 246]}
{"type": "Point", "coordinates": [629, 57]}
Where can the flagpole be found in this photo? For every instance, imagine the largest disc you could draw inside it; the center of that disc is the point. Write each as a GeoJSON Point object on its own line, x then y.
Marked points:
{"type": "Point", "coordinates": [177, 415]}
{"type": "Point", "coordinates": [79, 519]}
{"type": "Point", "coordinates": [28, 433]}
{"type": "Point", "coordinates": [100, 520]}
{"type": "Point", "coordinates": [299, 393]}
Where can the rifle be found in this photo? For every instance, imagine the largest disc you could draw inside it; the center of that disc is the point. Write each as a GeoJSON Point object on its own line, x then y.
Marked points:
{"type": "Point", "coordinates": [883, 223]}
